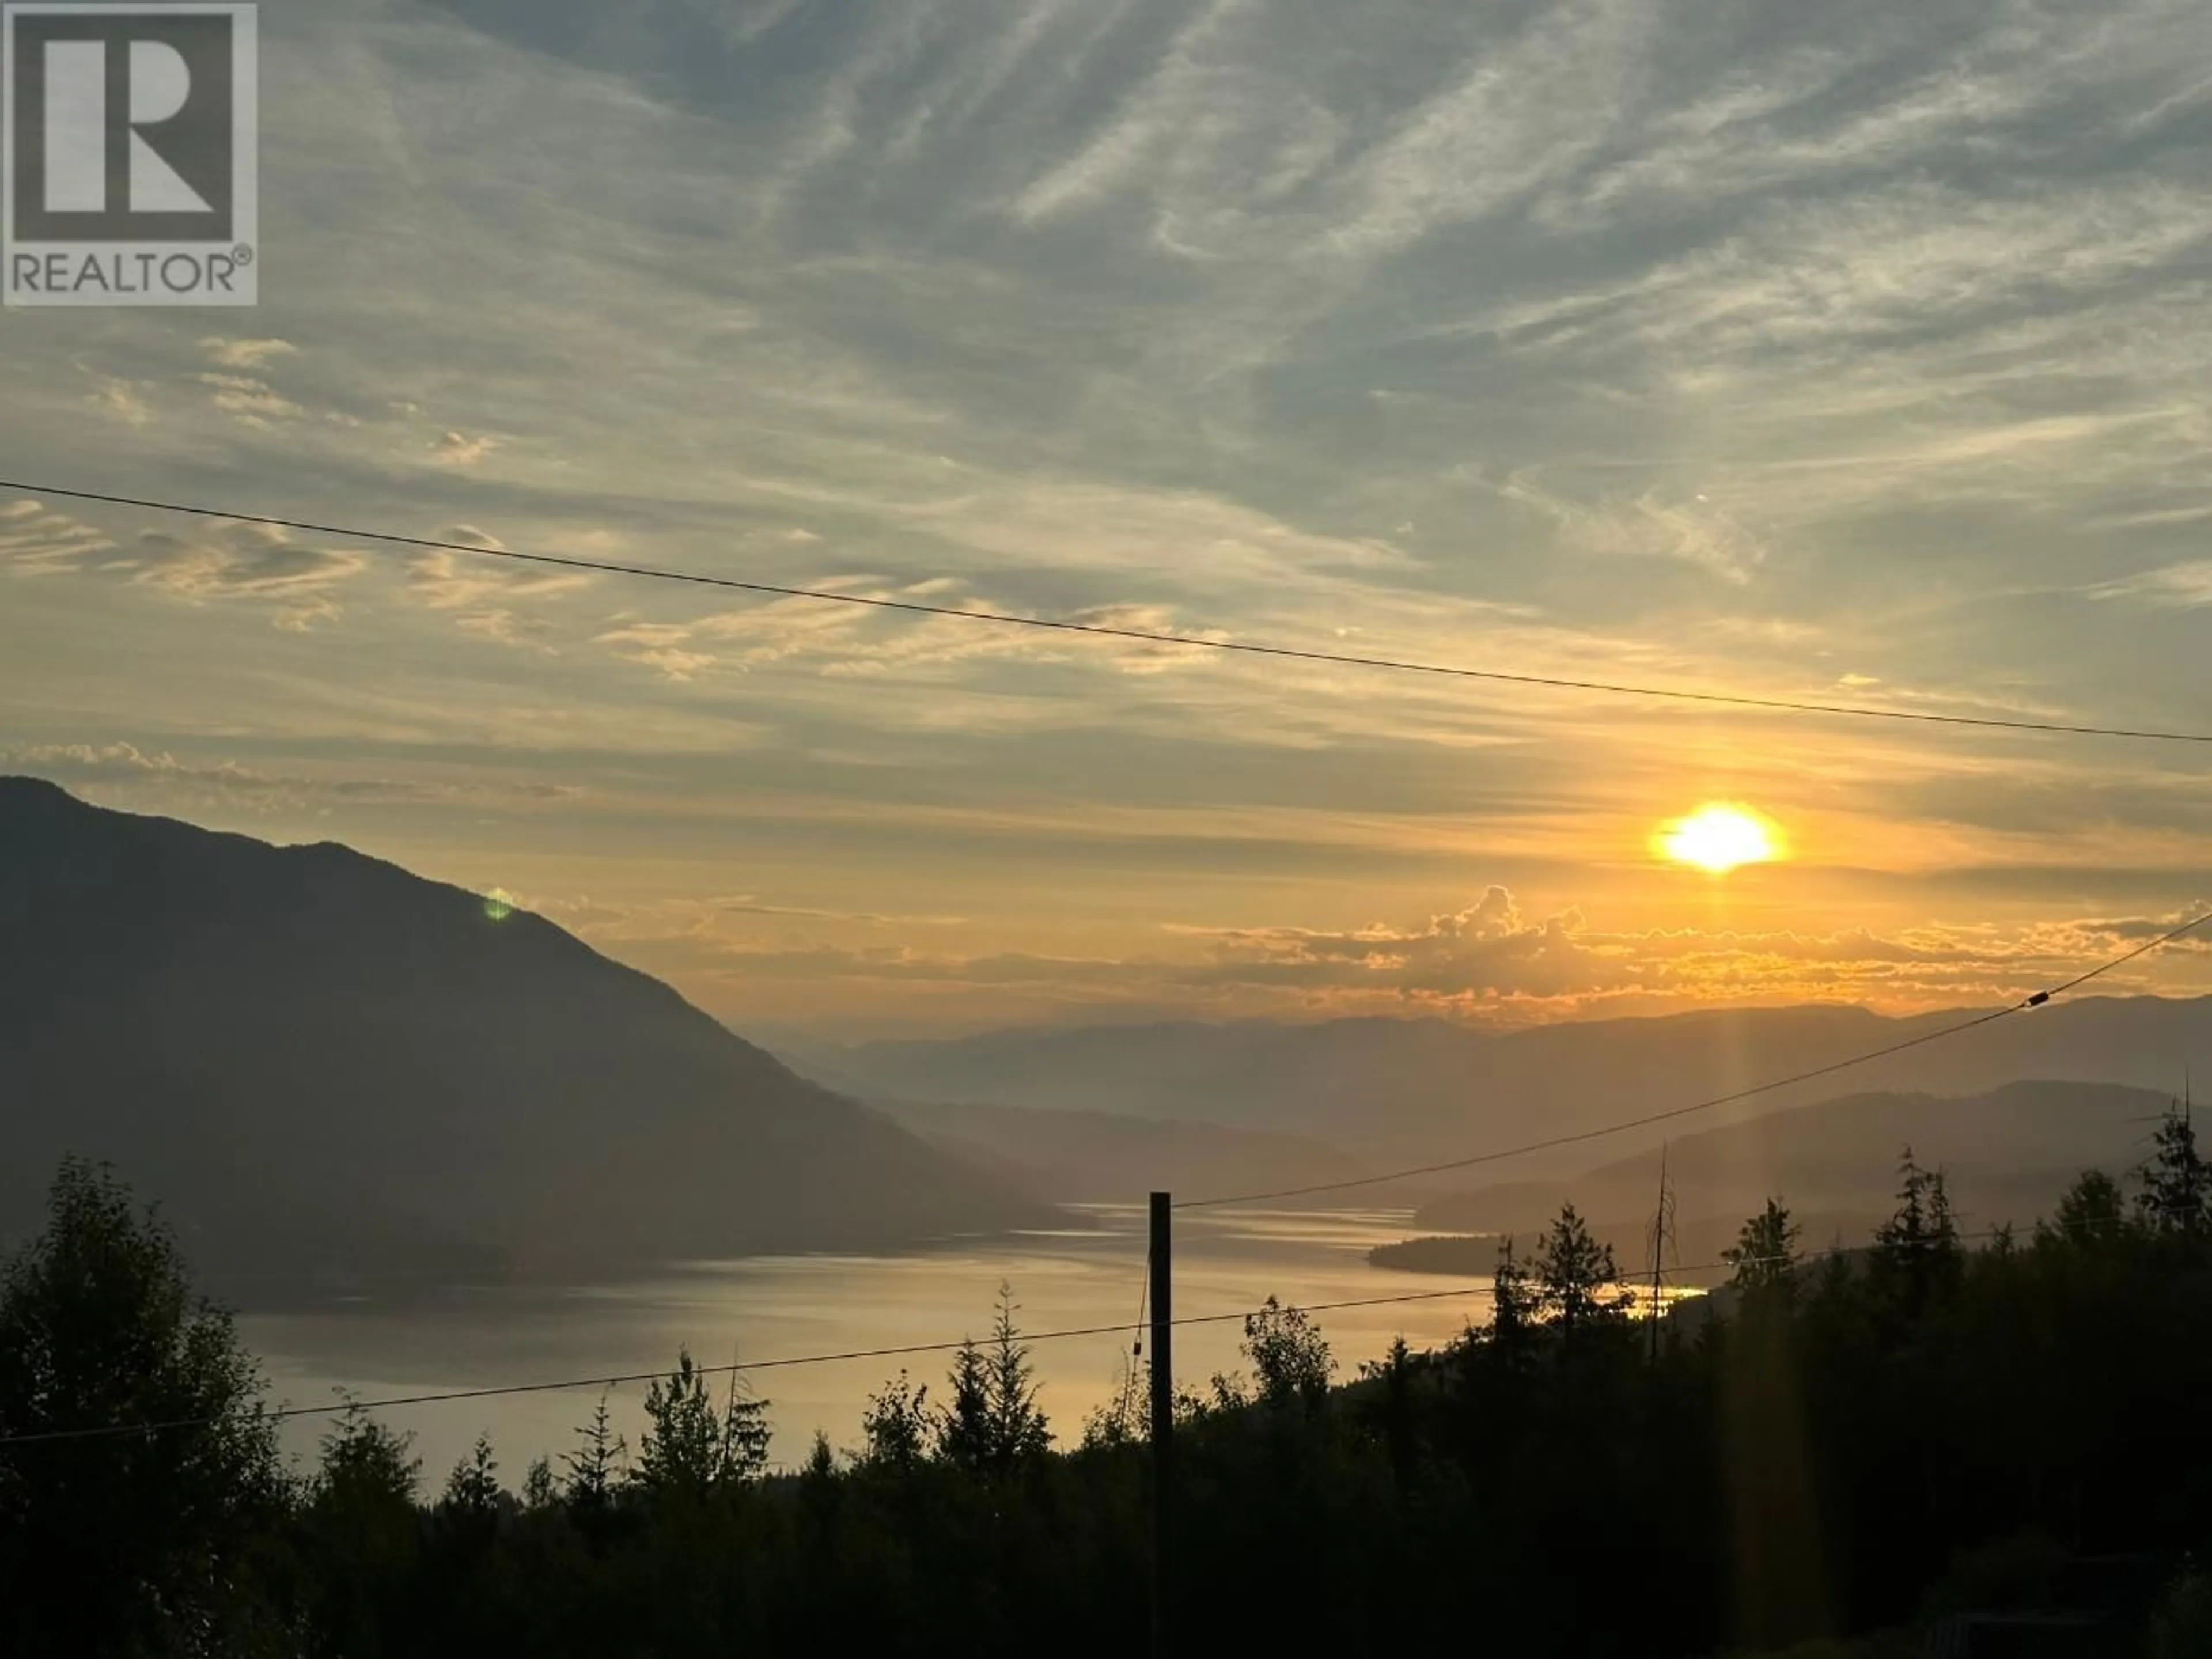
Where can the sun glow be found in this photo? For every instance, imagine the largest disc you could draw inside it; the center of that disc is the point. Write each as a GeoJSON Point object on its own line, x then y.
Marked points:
{"type": "Point", "coordinates": [1718, 836]}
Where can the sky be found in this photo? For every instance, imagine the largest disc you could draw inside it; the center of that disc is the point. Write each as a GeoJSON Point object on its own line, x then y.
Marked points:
{"type": "Point", "coordinates": [1835, 353]}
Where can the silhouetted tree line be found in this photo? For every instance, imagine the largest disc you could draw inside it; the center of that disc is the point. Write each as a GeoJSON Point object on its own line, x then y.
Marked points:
{"type": "Point", "coordinates": [1838, 1445]}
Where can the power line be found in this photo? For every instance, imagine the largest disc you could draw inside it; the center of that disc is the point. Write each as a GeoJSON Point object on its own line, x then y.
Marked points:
{"type": "Point", "coordinates": [571, 1384]}
{"type": "Point", "coordinates": [2143, 950]}
{"type": "Point", "coordinates": [1795, 1259]}
{"type": "Point", "coordinates": [1651, 1118]}
{"type": "Point", "coordinates": [1127, 1404]}
{"type": "Point", "coordinates": [1106, 630]}
{"type": "Point", "coordinates": [1143, 1296]}
{"type": "Point", "coordinates": [568, 1385]}
{"type": "Point", "coordinates": [908, 1349]}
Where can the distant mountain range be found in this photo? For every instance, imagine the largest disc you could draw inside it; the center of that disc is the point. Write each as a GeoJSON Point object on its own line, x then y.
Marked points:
{"type": "Point", "coordinates": [2006, 1156]}
{"type": "Point", "coordinates": [320, 1063]}
{"type": "Point", "coordinates": [1387, 1093]}
{"type": "Point", "coordinates": [1108, 1157]}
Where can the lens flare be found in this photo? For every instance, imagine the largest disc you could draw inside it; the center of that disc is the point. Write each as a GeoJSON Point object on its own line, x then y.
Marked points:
{"type": "Point", "coordinates": [1719, 836]}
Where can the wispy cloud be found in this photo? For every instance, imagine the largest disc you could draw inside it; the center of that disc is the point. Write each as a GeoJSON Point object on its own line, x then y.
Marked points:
{"type": "Point", "coordinates": [463, 448]}
{"type": "Point", "coordinates": [244, 355]}
{"type": "Point", "coordinates": [1778, 351]}
{"type": "Point", "coordinates": [128, 773]}
{"type": "Point", "coordinates": [300, 583]}
{"type": "Point", "coordinates": [2187, 585]}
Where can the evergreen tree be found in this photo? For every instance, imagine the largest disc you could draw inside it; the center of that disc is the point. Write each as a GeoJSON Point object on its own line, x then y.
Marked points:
{"type": "Point", "coordinates": [1764, 1256]}
{"type": "Point", "coordinates": [1916, 1252]}
{"type": "Point", "coordinates": [963, 1429]}
{"type": "Point", "coordinates": [1906, 1230]}
{"type": "Point", "coordinates": [538, 1491]}
{"type": "Point", "coordinates": [1809, 1473]}
{"type": "Point", "coordinates": [1513, 1302]}
{"type": "Point", "coordinates": [2176, 1199]}
{"type": "Point", "coordinates": [689, 1445]}
{"type": "Point", "coordinates": [362, 1535]}
{"type": "Point", "coordinates": [364, 1460]}
{"type": "Point", "coordinates": [1573, 1274]}
{"type": "Point", "coordinates": [746, 1433]}
{"type": "Point", "coordinates": [2092, 1215]}
{"type": "Point", "coordinates": [992, 1423]}
{"type": "Point", "coordinates": [681, 1450]}
{"type": "Point", "coordinates": [1019, 1431]}
{"type": "Point", "coordinates": [1942, 1221]}
{"type": "Point", "coordinates": [596, 1468]}
{"type": "Point", "coordinates": [124, 1543]}
{"type": "Point", "coordinates": [472, 1490]}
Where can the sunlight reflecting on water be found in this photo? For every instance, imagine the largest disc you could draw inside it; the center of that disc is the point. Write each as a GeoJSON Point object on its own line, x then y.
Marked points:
{"type": "Point", "coordinates": [763, 1308]}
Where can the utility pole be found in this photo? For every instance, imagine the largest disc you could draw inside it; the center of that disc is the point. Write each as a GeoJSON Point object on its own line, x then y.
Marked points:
{"type": "Point", "coordinates": [1662, 1230]}
{"type": "Point", "coordinates": [1163, 1430]}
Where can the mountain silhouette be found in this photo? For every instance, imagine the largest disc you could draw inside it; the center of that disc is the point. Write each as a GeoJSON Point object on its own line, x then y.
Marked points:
{"type": "Point", "coordinates": [320, 1063]}
{"type": "Point", "coordinates": [1392, 1092]}
{"type": "Point", "coordinates": [2007, 1155]}
{"type": "Point", "coordinates": [1104, 1158]}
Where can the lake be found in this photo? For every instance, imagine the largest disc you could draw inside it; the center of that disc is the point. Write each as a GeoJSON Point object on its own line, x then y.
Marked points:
{"type": "Point", "coordinates": [774, 1307]}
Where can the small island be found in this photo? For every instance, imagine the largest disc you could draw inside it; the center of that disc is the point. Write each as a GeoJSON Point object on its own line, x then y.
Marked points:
{"type": "Point", "coordinates": [1456, 1253]}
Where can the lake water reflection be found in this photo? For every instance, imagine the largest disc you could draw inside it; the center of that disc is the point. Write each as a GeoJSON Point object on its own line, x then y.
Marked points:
{"type": "Point", "coordinates": [771, 1307]}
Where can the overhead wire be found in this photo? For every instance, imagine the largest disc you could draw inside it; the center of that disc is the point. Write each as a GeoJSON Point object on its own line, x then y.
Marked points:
{"type": "Point", "coordinates": [1154, 637]}
{"type": "Point", "coordinates": [1115, 631]}
{"type": "Point", "coordinates": [572, 1384]}
{"type": "Point", "coordinates": [2037, 1001]}
{"type": "Point", "coordinates": [1645, 1120]}
{"type": "Point", "coordinates": [616, 1380]}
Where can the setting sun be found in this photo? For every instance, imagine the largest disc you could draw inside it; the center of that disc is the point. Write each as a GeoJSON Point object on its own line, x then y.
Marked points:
{"type": "Point", "coordinates": [1718, 836]}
